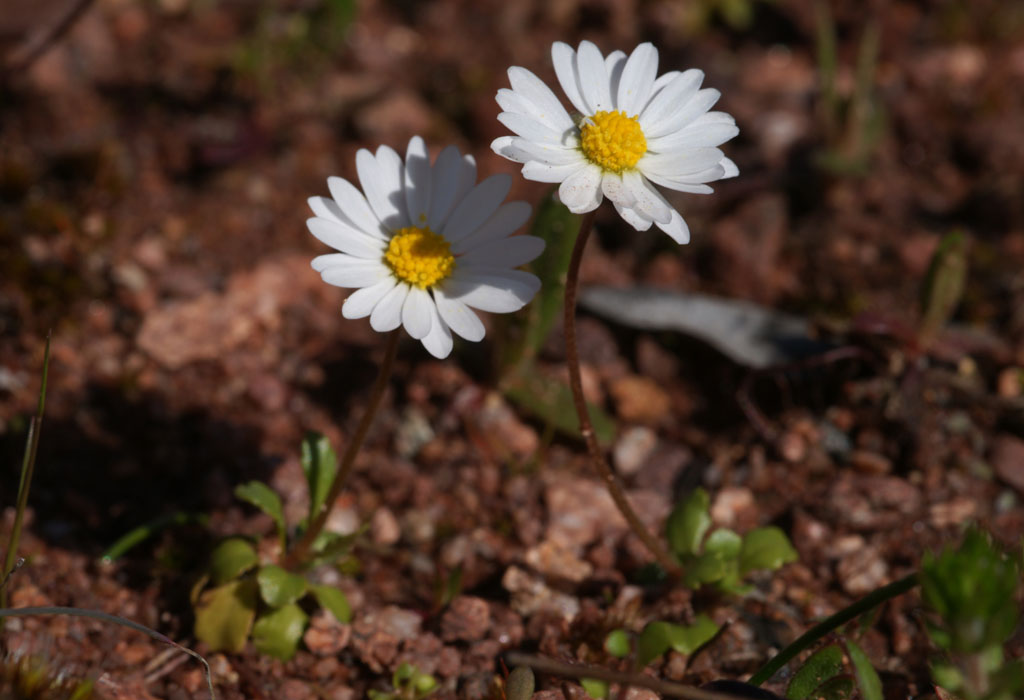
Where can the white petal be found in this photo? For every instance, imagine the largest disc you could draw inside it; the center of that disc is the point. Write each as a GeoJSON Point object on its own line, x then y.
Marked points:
{"type": "Point", "coordinates": [648, 201]}
{"type": "Point", "coordinates": [702, 136]}
{"type": "Point", "coordinates": [546, 104]}
{"type": "Point", "coordinates": [659, 84]}
{"type": "Point", "coordinates": [492, 289]}
{"type": "Point", "coordinates": [542, 172]}
{"type": "Point", "coordinates": [637, 81]}
{"type": "Point", "coordinates": [679, 186]}
{"type": "Point", "coordinates": [416, 312]}
{"type": "Point", "coordinates": [445, 179]}
{"type": "Point", "coordinates": [478, 206]}
{"type": "Point", "coordinates": [381, 179]}
{"type": "Point", "coordinates": [438, 341]}
{"type": "Point", "coordinates": [327, 209]}
{"type": "Point", "coordinates": [593, 77]}
{"type": "Point", "coordinates": [345, 238]}
{"type": "Point", "coordinates": [523, 151]}
{"type": "Point", "coordinates": [354, 206]}
{"type": "Point", "coordinates": [581, 191]}
{"type": "Point", "coordinates": [459, 317]}
{"type": "Point", "coordinates": [669, 100]}
{"type": "Point", "coordinates": [358, 273]}
{"type": "Point", "coordinates": [530, 128]}
{"type": "Point", "coordinates": [729, 167]}
{"type": "Point", "coordinates": [417, 181]}
{"type": "Point", "coordinates": [509, 217]}
{"type": "Point", "coordinates": [614, 63]}
{"type": "Point", "coordinates": [633, 218]}
{"type": "Point", "coordinates": [676, 164]}
{"type": "Point", "coordinates": [387, 314]}
{"type": "Point", "coordinates": [508, 252]}
{"type": "Point", "coordinates": [615, 190]}
{"type": "Point", "coordinates": [676, 228]}
{"type": "Point", "coordinates": [684, 114]}
{"type": "Point", "coordinates": [360, 303]}
{"type": "Point", "coordinates": [564, 59]}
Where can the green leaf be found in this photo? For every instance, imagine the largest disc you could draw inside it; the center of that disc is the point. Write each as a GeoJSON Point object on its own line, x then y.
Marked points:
{"type": "Point", "coordinates": [594, 688]}
{"type": "Point", "coordinates": [320, 463]}
{"type": "Point", "coordinates": [652, 642]}
{"type": "Point", "coordinates": [719, 564]}
{"type": "Point", "coordinates": [551, 401]}
{"type": "Point", "coordinates": [520, 684]}
{"type": "Point", "coordinates": [765, 548]}
{"type": "Point", "coordinates": [279, 587]}
{"type": "Point", "coordinates": [558, 227]}
{"type": "Point", "coordinates": [266, 499]}
{"type": "Point", "coordinates": [224, 615]}
{"type": "Point", "coordinates": [821, 666]}
{"type": "Point", "coordinates": [944, 283]}
{"type": "Point", "coordinates": [867, 678]}
{"type": "Point", "coordinates": [617, 643]}
{"type": "Point", "coordinates": [689, 522]}
{"type": "Point", "coordinates": [230, 559]}
{"type": "Point", "coordinates": [278, 632]}
{"type": "Point", "coordinates": [687, 639]}
{"type": "Point", "coordinates": [334, 601]}
{"type": "Point", "coordinates": [838, 688]}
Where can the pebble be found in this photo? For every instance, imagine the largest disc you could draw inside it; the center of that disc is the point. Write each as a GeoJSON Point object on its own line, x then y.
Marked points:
{"type": "Point", "coordinates": [531, 595]}
{"type": "Point", "coordinates": [384, 527]}
{"type": "Point", "coordinates": [1008, 460]}
{"type": "Point", "coordinates": [633, 449]}
{"type": "Point", "coordinates": [467, 619]}
{"type": "Point", "coordinates": [640, 399]}
{"type": "Point", "coordinates": [734, 507]}
{"type": "Point", "coordinates": [792, 447]}
{"type": "Point", "coordinates": [325, 636]}
{"type": "Point", "coordinates": [870, 462]}
{"type": "Point", "coordinates": [862, 571]}
{"type": "Point", "coordinates": [1010, 383]}
{"type": "Point", "coordinates": [552, 559]}
{"type": "Point", "coordinates": [580, 511]}
{"type": "Point", "coordinates": [951, 513]}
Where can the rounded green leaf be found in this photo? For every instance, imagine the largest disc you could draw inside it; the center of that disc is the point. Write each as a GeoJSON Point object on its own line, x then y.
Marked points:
{"type": "Point", "coordinates": [334, 601]}
{"type": "Point", "coordinates": [520, 684]}
{"type": "Point", "coordinates": [689, 522]}
{"type": "Point", "coordinates": [617, 643]}
{"type": "Point", "coordinates": [224, 615]}
{"type": "Point", "coordinates": [230, 559]}
{"type": "Point", "coordinates": [279, 587]}
{"type": "Point", "coordinates": [867, 678]}
{"type": "Point", "coordinates": [278, 632]}
{"type": "Point", "coordinates": [320, 463]}
{"type": "Point", "coordinates": [687, 639]}
{"type": "Point", "coordinates": [821, 666]}
{"type": "Point", "coordinates": [258, 494]}
{"type": "Point", "coordinates": [765, 548]}
{"type": "Point", "coordinates": [594, 688]}
{"type": "Point", "coordinates": [652, 642]}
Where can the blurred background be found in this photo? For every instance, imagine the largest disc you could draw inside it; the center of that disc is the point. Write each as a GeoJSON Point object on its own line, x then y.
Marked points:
{"type": "Point", "coordinates": [156, 157]}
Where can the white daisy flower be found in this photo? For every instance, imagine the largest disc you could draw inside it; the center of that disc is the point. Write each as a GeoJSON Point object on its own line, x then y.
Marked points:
{"type": "Point", "coordinates": [633, 129]}
{"type": "Point", "coordinates": [426, 244]}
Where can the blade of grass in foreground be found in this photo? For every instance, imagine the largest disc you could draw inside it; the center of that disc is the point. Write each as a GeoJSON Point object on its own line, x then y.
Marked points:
{"type": "Point", "coordinates": [28, 464]}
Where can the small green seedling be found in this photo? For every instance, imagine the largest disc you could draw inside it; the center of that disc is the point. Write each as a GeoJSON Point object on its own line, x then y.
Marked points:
{"type": "Point", "coordinates": [408, 683]}
{"type": "Point", "coordinates": [722, 558]}
{"type": "Point", "coordinates": [241, 597]}
{"type": "Point", "coordinates": [839, 671]}
{"type": "Point", "coordinates": [972, 592]}
{"type": "Point", "coordinates": [658, 637]}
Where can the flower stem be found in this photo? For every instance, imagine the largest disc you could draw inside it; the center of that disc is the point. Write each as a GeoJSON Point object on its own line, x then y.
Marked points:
{"type": "Point", "coordinates": [297, 556]}
{"type": "Point", "coordinates": [597, 457]}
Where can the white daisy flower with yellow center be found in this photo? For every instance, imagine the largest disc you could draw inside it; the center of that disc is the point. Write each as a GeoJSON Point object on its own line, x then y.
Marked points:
{"type": "Point", "coordinates": [425, 245]}
{"type": "Point", "coordinates": [633, 130]}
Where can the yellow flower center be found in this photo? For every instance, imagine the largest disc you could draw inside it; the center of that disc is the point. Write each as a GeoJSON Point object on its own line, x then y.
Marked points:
{"type": "Point", "coordinates": [612, 140]}
{"type": "Point", "coordinates": [419, 256]}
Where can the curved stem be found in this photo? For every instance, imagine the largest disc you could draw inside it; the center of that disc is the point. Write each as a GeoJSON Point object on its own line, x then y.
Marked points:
{"type": "Point", "coordinates": [808, 638]}
{"type": "Point", "coordinates": [597, 457]}
{"type": "Point", "coordinates": [300, 550]}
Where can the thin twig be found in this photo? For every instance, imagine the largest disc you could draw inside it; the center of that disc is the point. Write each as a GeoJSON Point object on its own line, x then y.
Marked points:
{"type": "Point", "coordinates": [297, 556]}
{"type": "Point", "coordinates": [666, 688]}
{"type": "Point", "coordinates": [597, 457]}
{"type": "Point", "coordinates": [40, 44]}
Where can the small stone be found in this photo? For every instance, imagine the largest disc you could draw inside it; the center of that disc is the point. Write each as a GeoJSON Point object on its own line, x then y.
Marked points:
{"type": "Point", "coordinates": [531, 595]}
{"type": "Point", "coordinates": [551, 559]}
{"type": "Point", "coordinates": [633, 449]}
{"type": "Point", "coordinates": [384, 527]}
{"type": "Point", "coordinates": [870, 462]}
{"type": "Point", "coordinates": [952, 513]}
{"type": "Point", "coordinates": [293, 689]}
{"type": "Point", "coordinates": [1010, 383]}
{"type": "Point", "coordinates": [325, 635]}
{"type": "Point", "coordinates": [792, 447]}
{"type": "Point", "coordinates": [579, 512]}
{"type": "Point", "coordinates": [1008, 460]}
{"type": "Point", "coordinates": [640, 399]}
{"type": "Point", "coordinates": [734, 507]}
{"type": "Point", "coordinates": [467, 619]}
{"type": "Point", "coordinates": [862, 571]}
